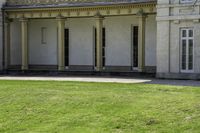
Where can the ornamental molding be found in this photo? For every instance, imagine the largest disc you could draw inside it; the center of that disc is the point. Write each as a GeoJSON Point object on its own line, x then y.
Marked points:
{"type": "Point", "coordinates": [49, 2]}
{"type": "Point", "coordinates": [110, 10]}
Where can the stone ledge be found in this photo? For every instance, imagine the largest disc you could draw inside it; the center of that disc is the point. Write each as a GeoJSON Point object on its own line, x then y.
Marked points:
{"type": "Point", "coordinates": [192, 76]}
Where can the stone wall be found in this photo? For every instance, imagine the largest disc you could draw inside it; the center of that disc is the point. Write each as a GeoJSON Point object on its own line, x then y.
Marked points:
{"type": "Point", "coordinates": [172, 16]}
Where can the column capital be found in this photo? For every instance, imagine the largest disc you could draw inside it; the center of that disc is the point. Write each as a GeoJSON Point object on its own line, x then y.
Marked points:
{"type": "Point", "coordinates": [23, 19]}
{"type": "Point", "coordinates": [141, 13]}
{"type": "Point", "coordinates": [98, 16]}
{"type": "Point", "coordinates": [60, 18]}
{"type": "Point", "coordinates": [8, 20]}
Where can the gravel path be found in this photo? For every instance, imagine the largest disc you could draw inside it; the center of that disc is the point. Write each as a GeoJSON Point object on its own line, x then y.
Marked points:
{"type": "Point", "coordinates": [106, 79]}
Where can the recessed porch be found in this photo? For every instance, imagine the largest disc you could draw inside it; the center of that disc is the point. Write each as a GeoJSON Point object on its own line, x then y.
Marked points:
{"type": "Point", "coordinates": [100, 40]}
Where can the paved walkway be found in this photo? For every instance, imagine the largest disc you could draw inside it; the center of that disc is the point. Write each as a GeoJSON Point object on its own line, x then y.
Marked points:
{"type": "Point", "coordinates": [105, 79]}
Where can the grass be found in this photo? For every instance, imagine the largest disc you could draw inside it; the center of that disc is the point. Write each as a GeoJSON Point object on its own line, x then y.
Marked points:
{"type": "Point", "coordinates": [75, 107]}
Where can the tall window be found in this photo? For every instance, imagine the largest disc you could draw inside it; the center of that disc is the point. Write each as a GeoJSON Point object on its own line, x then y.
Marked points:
{"type": "Point", "coordinates": [187, 50]}
{"type": "Point", "coordinates": [135, 46]}
{"type": "Point", "coordinates": [66, 47]}
{"type": "Point", "coordinates": [103, 46]}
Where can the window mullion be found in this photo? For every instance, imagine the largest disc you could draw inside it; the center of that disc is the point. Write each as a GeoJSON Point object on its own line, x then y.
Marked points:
{"type": "Point", "coordinates": [187, 52]}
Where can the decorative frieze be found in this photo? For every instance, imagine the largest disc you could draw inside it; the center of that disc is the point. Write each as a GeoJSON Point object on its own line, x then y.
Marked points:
{"type": "Point", "coordinates": [42, 2]}
{"type": "Point", "coordinates": [107, 10]}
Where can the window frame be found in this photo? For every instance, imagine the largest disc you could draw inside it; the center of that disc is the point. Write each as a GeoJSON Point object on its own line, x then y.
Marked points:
{"type": "Point", "coordinates": [186, 1]}
{"type": "Point", "coordinates": [43, 35]}
{"type": "Point", "coordinates": [132, 47]}
{"type": "Point", "coordinates": [67, 42]}
{"type": "Point", "coordinates": [187, 39]}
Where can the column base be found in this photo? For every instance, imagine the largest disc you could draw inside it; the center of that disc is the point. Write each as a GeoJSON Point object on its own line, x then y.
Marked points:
{"type": "Point", "coordinates": [24, 68]}
{"type": "Point", "coordinates": [98, 69]}
{"type": "Point", "coordinates": [141, 70]}
{"type": "Point", "coordinates": [61, 68]}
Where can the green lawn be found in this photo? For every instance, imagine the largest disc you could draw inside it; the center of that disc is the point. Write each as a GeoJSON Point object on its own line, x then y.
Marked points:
{"type": "Point", "coordinates": [74, 107]}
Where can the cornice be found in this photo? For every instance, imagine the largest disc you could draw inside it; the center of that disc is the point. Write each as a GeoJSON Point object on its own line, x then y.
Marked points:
{"type": "Point", "coordinates": [100, 7]}
{"type": "Point", "coordinates": [121, 9]}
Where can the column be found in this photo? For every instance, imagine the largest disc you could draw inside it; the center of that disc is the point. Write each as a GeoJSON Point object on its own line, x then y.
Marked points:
{"type": "Point", "coordinates": [99, 27]}
{"type": "Point", "coordinates": [141, 41]}
{"type": "Point", "coordinates": [7, 43]}
{"type": "Point", "coordinates": [61, 43]}
{"type": "Point", "coordinates": [24, 42]}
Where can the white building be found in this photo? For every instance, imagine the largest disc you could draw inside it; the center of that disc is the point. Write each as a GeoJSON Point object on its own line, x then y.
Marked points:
{"type": "Point", "coordinates": [178, 41]}
{"type": "Point", "coordinates": [104, 36]}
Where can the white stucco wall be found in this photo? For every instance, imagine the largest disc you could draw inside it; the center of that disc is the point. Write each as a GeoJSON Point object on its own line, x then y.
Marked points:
{"type": "Point", "coordinates": [163, 38]}
{"type": "Point", "coordinates": [42, 54]}
{"type": "Point", "coordinates": [150, 41]}
{"type": "Point", "coordinates": [81, 43]}
{"type": "Point", "coordinates": [118, 40]}
{"type": "Point", "coordinates": [163, 47]}
{"type": "Point", "coordinates": [15, 43]}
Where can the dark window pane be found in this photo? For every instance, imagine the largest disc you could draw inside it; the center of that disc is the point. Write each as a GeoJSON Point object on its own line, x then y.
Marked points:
{"type": "Point", "coordinates": [95, 46]}
{"type": "Point", "coordinates": [135, 46]}
{"type": "Point", "coordinates": [184, 33]}
{"type": "Point", "coordinates": [190, 65]}
{"type": "Point", "coordinates": [103, 52]}
{"type": "Point", "coordinates": [104, 37]}
{"type": "Point", "coordinates": [66, 47]}
{"type": "Point", "coordinates": [190, 33]}
{"type": "Point", "coordinates": [104, 61]}
{"type": "Point", "coordinates": [183, 54]}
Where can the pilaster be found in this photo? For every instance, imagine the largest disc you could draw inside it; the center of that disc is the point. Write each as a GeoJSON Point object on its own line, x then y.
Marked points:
{"type": "Point", "coordinates": [24, 42]}
{"type": "Point", "coordinates": [61, 42]}
{"type": "Point", "coordinates": [99, 43]}
{"type": "Point", "coordinates": [7, 42]}
{"type": "Point", "coordinates": [141, 40]}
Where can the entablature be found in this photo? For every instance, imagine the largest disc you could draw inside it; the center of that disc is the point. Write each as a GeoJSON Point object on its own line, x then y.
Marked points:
{"type": "Point", "coordinates": [178, 11]}
{"type": "Point", "coordinates": [18, 3]}
{"type": "Point", "coordinates": [86, 11]}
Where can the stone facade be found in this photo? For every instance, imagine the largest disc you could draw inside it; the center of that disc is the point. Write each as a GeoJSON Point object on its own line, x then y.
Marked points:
{"type": "Point", "coordinates": [168, 36]}
{"type": "Point", "coordinates": [98, 32]}
{"type": "Point", "coordinates": [172, 17]}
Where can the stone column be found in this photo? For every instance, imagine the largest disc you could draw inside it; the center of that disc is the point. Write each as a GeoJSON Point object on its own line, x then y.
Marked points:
{"type": "Point", "coordinates": [7, 42]}
{"type": "Point", "coordinates": [141, 41]}
{"type": "Point", "coordinates": [61, 43]}
{"type": "Point", "coordinates": [24, 42]}
{"type": "Point", "coordinates": [99, 41]}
